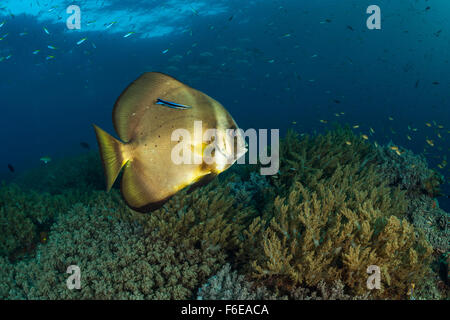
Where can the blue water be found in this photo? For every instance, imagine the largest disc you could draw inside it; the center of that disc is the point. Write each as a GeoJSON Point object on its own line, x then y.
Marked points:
{"type": "Point", "coordinates": [270, 63]}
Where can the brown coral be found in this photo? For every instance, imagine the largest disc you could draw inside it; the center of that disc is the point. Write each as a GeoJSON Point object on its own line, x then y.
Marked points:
{"type": "Point", "coordinates": [126, 255]}
{"type": "Point", "coordinates": [336, 219]}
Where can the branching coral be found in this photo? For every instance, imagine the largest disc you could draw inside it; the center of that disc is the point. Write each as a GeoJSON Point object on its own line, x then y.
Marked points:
{"type": "Point", "coordinates": [309, 232]}
{"type": "Point", "coordinates": [408, 171]}
{"type": "Point", "coordinates": [83, 172]}
{"type": "Point", "coordinates": [126, 255]}
{"type": "Point", "coordinates": [309, 159]}
{"type": "Point", "coordinates": [23, 215]}
{"type": "Point", "coordinates": [229, 285]}
{"type": "Point", "coordinates": [338, 218]}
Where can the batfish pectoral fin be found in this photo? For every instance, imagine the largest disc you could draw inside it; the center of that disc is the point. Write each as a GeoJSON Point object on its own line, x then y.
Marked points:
{"type": "Point", "coordinates": [136, 191]}
{"type": "Point", "coordinates": [203, 181]}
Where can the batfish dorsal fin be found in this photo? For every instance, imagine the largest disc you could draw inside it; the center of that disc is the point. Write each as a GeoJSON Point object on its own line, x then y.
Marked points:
{"type": "Point", "coordinates": [141, 96]}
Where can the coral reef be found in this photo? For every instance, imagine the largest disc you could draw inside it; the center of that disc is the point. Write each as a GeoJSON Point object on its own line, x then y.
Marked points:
{"type": "Point", "coordinates": [408, 171]}
{"type": "Point", "coordinates": [124, 255]}
{"type": "Point", "coordinates": [337, 205]}
{"type": "Point", "coordinates": [229, 285]}
{"type": "Point", "coordinates": [82, 172]}
{"type": "Point", "coordinates": [338, 217]}
{"type": "Point", "coordinates": [426, 216]}
{"type": "Point", "coordinates": [23, 215]}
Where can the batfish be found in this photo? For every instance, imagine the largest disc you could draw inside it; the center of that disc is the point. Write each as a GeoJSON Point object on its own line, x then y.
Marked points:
{"type": "Point", "coordinates": [160, 120]}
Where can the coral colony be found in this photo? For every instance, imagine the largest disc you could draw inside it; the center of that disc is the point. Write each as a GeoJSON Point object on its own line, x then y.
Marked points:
{"type": "Point", "coordinates": [337, 205]}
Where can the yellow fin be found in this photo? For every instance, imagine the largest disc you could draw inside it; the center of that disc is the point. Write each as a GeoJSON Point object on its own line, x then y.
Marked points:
{"type": "Point", "coordinates": [136, 192]}
{"type": "Point", "coordinates": [112, 154]}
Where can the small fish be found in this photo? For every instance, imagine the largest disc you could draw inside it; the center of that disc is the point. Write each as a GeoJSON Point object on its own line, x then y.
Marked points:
{"type": "Point", "coordinates": [46, 159]}
{"type": "Point", "coordinates": [85, 145]}
{"type": "Point", "coordinates": [323, 121]}
{"type": "Point", "coordinates": [172, 104]}
{"type": "Point", "coordinates": [395, 148]}
{"type": "Point", "coordinates": [428, 124]}
{"type": "Point", "coordinates": [109, 25]}
{"type": "Point", "coordinates": [43, 237]}
{"type": "Point", "coordinates": [365, 137]}
{"type": "Point", "coordinates": [10, 167]}
{"type": "Point", "coordinates": [350, 28]}
{"type": "Point", "coordinates": [371, 131]}
{"type": "Point", "coordinates": [408, 137]}
{"type": "Point", "coordinates": [128, 34]}
{"type": "Point", "coordinates": [294, 122]}
{"type": "Point", "coordinates": [271, 61]}
{"type": "Point", "coordinates": [165, 51]}
{"type": "Point", "coordinates": [348, 143]}
{"type": "Point", "coordinates": [2, 24]}
{"type": "Point", "coordinates": [194, 11]}
{"type": "Point", "coordinates": [81, 41]}
{"type": "Point", "coordinates": [398, 152]}
{"type": "Point", "coordinates": [435, 83]}
{"type": "Point", "coordinates": [46, 31]}
{"type": "Point", "coordinates": [36, 51]}
{"type": "Point", "coordinates": [49, 57]}
{"type": "Point", "coordinates": [430, 142]}
{"type": "Point", "coordinates": [51, 47]}
{"type": "Point", "coordinates": [356, 126]}
{"type": "Point", "coordinates": [23, 34]}
{"type": "Point", "coordinates": [8, 57]}
{"type": "Point", "coordinates": [94, 46]}
{"type": "Point", "coordinates": [391, 119]}
{"type": "Point", "coordinates": [286, 35]}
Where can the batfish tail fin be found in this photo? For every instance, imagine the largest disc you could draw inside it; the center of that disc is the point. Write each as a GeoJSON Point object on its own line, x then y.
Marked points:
{"type": "Point", "coordinates": [112, 154]}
